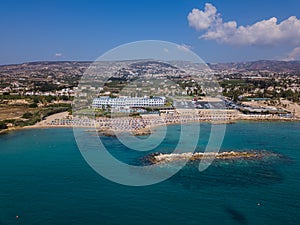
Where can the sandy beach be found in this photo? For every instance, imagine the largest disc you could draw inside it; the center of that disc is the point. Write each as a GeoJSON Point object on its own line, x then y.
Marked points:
{"type": "Point", "coordinates": [144, 124]}
{"type": "Point", "coordinates": [47, 121]}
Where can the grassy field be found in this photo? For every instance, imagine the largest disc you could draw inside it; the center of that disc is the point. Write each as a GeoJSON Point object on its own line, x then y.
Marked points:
{"type": "Point", "coordinates": [13, 112]}
{"type": "Point", "coordinates": [23, 115]}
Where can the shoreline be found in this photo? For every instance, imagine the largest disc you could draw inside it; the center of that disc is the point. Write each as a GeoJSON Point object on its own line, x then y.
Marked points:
{"type": "Point", "coordinates": [108, 132]}
{"type": "Point", "coordinates": [147, 129]}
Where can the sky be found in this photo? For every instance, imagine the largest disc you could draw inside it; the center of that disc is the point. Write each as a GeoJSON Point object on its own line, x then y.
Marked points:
{"type": "Point", "coordinates": [216, 30]}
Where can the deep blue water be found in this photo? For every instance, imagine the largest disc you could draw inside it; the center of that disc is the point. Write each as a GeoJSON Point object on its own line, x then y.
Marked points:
{"type": "Point", "coordinates": [45, 180]}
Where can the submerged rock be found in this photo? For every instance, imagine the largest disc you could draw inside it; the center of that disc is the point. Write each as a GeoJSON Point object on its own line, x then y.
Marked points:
{"type": "Point", "coordinates": [141, 132]}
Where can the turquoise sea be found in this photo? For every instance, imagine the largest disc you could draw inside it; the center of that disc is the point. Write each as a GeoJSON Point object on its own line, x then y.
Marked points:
{"type": "Point", "coordinates": [45, 180]}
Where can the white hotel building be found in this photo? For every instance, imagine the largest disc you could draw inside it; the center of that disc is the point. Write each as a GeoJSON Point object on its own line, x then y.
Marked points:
{"type": "Point", "coordinates": [128, 102]}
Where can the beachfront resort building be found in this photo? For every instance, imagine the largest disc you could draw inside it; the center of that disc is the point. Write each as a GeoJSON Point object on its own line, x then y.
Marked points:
{"type": "Point", "coordinates": [128, 102]}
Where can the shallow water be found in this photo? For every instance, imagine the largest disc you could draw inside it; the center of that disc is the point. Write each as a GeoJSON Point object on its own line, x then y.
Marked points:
{"type": "Point", "coordinates": [45, 180]}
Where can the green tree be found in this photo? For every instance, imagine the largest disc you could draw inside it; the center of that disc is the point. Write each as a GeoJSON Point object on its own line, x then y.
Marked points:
{"type": "Point", "coordinates": [3, 125]}
{"type": "Point", "coordinates": [27, 115]}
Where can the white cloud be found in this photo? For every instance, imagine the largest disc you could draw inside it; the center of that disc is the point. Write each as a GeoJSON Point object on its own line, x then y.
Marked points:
{"type": "Point", "coordinates": [293, 55]}
{"type": "Point", "coordinates": [203, 19]}
{"type": "Point", "coordinates": [58, 55]}
{"type": "Point", "coordinates": [265, 32]}
{"type": "Point", "coordinates": [166, 50]}
{"type": "Point", "coordinates": [184, 47]}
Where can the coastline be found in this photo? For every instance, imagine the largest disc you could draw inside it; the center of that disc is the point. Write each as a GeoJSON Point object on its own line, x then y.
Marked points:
{"type": "Point", "coordinates": [47, 123]}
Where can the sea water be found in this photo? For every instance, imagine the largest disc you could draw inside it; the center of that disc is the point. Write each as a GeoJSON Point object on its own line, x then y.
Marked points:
{"type": "Point", "coordinates": [45, 180]}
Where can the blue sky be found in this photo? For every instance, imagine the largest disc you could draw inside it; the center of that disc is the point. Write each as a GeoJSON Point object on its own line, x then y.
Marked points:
{"type": "Point", "coordinates": [84, 30]}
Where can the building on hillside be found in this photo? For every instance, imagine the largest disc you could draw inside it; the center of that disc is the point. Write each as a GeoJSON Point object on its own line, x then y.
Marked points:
{"type": "Point", "coordinates": [128, 102]}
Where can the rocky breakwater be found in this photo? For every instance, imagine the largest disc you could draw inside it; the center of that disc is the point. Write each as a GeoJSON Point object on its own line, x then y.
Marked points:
{"type": "Point", "coordinates": [160, 158]}
{"type": "Point", "coordinates": [114, 133]}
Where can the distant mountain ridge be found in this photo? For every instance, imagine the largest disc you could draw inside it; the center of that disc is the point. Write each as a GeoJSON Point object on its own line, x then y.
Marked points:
{"type": "Point", "coordinates": [261, 65]}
